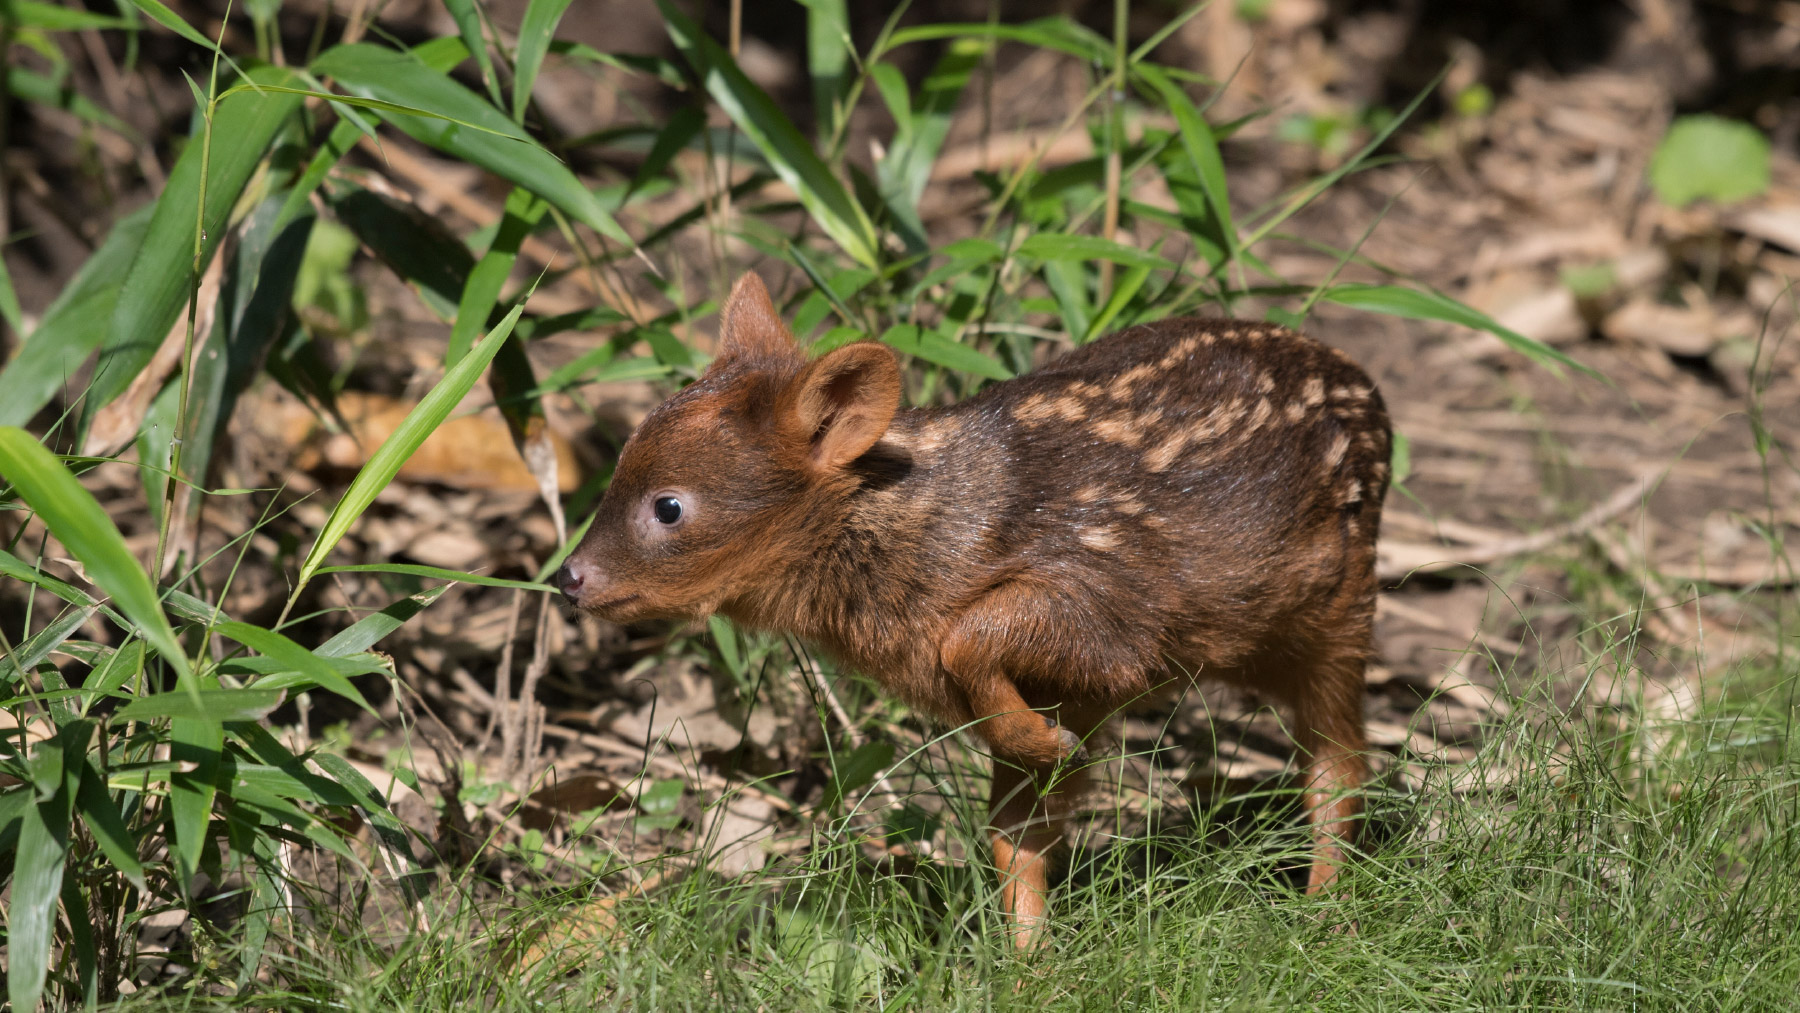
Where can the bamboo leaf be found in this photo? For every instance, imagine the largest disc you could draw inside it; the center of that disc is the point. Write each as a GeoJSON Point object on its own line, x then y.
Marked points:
{"type": "Point", "coordinates": [38, 868]}
{"type": "Point", "coordinates": [940, 350]}
{"type": "Point", "coordinates": [1052, 246]}
{"type": "Point", "coordinates": [367, 631]}
{"type": "Point", "coordinates": [535, 32]}
{"type": "Point", "coordinates": [498, 146]}
{"type": "Point", "coordinates": [73, 326]}
{"type": "Point", "coordinates": [481, 289]}
{"type": "Point", "coordinates": [1202, 150]}
{"type": "Point", "coordinates": [156, 287]}
{"type": "Point", "coordinates": [415, 570]}
{"type": "Point", "coordinates": [211, 706]}
{"type": "Point", "coordinates": [468, 23]}
{"type": "Point", "coordinates": [313, 670]}
{"type": "Point", "coordinates": [828, 58]}
{"type": "Point", "coordinates": [77, 520]}
{"type": "Point", "coordinates": [385, 463]}
{"type": "Point", "coordinates": [1417, 304]}
{"type": "Point", "coordinates": [101, 813]}
{"type": "Point", "coordinates": [195, 741]}
{"type": "Point", "coordinates": [788, 152]}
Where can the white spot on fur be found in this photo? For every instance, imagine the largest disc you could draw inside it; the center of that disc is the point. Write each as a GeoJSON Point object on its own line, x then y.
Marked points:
{"type": "Point", "coordinates": [1101, 539]}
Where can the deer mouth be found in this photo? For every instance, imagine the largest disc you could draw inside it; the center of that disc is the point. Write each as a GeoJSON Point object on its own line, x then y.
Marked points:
{"type": "Point", "coordinates": [612, 605]}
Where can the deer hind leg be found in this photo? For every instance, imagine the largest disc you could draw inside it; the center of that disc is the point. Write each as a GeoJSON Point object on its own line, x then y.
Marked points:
{"type": "Point", "coordinates": [1328, 726]}
{"type": "Point", "coordinates": [1025, 819]}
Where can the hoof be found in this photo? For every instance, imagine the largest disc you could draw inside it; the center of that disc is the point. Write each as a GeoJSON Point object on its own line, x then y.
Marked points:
{"type": "Point", "coordinates": [1069, 745]}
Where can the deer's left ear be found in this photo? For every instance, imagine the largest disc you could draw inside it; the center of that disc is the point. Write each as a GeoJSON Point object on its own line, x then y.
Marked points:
{"type": "Point", "coordinates": [749, 328]}
{"type": "Point", "coordinates": [843, 402]}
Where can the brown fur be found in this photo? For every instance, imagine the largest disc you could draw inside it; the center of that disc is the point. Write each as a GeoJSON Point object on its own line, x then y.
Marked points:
{"type": "Point", "coordinates": [1188, 498]}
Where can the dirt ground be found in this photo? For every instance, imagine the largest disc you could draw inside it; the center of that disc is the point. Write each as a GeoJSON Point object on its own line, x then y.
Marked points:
{"type": "Point", "coordinates": [1537, 505]}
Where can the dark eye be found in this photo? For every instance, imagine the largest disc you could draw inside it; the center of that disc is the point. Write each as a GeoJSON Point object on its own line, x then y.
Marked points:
{"type": "Point", "coordinates": [668, 509]}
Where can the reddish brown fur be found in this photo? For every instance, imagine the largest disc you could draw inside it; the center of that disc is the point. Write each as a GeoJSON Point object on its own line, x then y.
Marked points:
{"type": "Point", "coordinates": [1191, 497]}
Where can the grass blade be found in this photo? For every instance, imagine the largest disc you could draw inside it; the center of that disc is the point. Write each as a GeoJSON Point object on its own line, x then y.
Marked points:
{"type": "Point", "coordinates": [211, 706]}
{"type": "Point", "coordinates": [535, 32]}
{"type": "Point", "coordinates": [77, 520]}
{"type": "Point", "coordinates": [385, 463]}
{"type": "Point", "coordinates": [787, 150]}
{"type": "Point", "coordinates": [195, 742]}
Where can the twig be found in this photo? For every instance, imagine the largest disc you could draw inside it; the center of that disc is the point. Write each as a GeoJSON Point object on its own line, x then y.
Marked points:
{"type": "Point", "coordinates": [1396, 560]}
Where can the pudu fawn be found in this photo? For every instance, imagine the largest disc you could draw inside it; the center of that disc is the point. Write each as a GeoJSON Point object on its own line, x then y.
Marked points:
{"type": "Point", "coordinates": [1196, 497]}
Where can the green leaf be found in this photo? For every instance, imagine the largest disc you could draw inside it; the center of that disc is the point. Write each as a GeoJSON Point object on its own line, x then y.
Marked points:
{"type": "Point", "coordinates": [468, 22]}
{"type": "Point", "coordinates": [1400, 458]}
{"type": "Point", "coordinates": [787, 150]}
{"type": "Point", "coordinates": [828, 57]}
{"type": "Point", "coordinates": [856, 770]}
{"type": "Point", "coordinates": [25, 656]}
{"type": "Point", "coordinates": [38, 869]}
{"type": "Point", "coordinates": [482, 288]}
{"type": "Point", "coordinates": [111, 674]}
{"type": "Point", "coordinates": [101, 813]}
{"type": "Point", "coordinates": [73, 326]}
{"type": "Point", "coordinates": [255, 303]}
{"type": "Point", "coordinates": [1418, 304]}
{"type": "Point", "coordinates": [416, 570]}
{"type": "Point", "coordinates": [167, 18]}
{"type": "Point", "coordinates": [1124, 290]}
{"type": "Point", "coordinates": [155, 290]}
{"type": "Point", "coordinates": [935, 348]}
{"type": "Point", "coordinates": [1058, 32]}
{"type": "Point", "coordinates": [57, 18]}
{"type": "Point", "coordinates": [313, 670]}
{"type": "Point", "coordinates": [34, 87]}
{"type": "Point", "coordinates": [535, 32]}
{"type": "Point", "coordinates": [206, 705]}
{"type": "Point", "coordinates": [1709, 157]}
{"type": "Point", "coordinates": [77, 520]}
{"type": "Point", "coordinates": [726, 639]}
{"type": "Point", "coordinates": [196, 741]}
{"type": "Point", "coordinates": [498, 146]}
{"type": "Point", "coordinates": [1055, 246]}
{"type": "Point", "coordinates": [1202, 150]}
{"type": "Point", "coordinates": [367, 631]}
{"type": "Point", "coordinates": [415, 246]}
{"type": "Point", "coordinates": [385, 463]}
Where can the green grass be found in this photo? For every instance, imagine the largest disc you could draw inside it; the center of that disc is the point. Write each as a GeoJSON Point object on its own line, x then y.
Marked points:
{"type": "Point", "coordinates": [1587, 859]}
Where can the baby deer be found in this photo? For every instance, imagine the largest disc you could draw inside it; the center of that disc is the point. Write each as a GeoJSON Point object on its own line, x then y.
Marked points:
{"type": "Point", "coordinates": [1195, 497]}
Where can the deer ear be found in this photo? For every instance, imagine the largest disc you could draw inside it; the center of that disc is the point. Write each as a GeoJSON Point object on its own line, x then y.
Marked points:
{"type": "Point", "coordinates": [843, 402]}
{"type": "Point", "coordinates": [750, 329]}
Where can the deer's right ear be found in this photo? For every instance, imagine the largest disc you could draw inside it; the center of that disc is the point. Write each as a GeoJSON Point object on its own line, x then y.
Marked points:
{"type": "Point", "coordinates": [749, 328]}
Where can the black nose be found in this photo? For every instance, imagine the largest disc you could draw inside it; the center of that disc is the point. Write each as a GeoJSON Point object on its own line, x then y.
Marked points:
{"type": "Point", "coordinates": [569, 582]}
